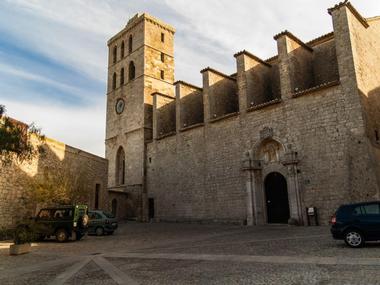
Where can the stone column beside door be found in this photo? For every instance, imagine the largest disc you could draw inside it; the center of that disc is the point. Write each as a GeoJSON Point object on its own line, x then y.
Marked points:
{"type": "Point", "coordinates": [290, 161]}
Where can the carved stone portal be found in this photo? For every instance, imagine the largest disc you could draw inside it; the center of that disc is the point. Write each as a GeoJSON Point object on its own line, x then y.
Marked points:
{"type": "Point", "coordinates": [270, 151]}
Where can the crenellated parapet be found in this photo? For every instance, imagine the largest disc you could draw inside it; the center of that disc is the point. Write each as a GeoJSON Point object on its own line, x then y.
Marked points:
{"type": "Point", "coordinates": [164, 113]}
{"type": "Point", "coordinates": [258, 81]}
{"type": "Point", "coordinates": [299, 68]}
{"type": "Point", "coordinates": [220, 95]}
{"type": "Point", "coordinates": [189, 105]}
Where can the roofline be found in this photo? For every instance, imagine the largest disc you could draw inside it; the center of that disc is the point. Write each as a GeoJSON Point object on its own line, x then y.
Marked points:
{"type": "Point", "coordinates": [137, 19]}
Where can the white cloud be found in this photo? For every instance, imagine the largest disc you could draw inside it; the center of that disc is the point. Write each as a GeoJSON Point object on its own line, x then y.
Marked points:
{"type": "Point", "coordinates": [74, 33]}
{"type": "Point", "coordinates": [79, 127]}
{"type": "Point", "coordinates": [12, 71]}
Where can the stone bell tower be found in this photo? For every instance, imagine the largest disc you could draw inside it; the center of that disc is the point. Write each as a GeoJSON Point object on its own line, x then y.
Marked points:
{"type": "Point", "coordinates": [140, 62]}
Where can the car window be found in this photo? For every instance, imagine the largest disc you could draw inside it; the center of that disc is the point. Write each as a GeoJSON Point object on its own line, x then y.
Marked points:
{"type": "Point", "coordinates": [358, 211]}
{"type": "Point", "coordinates": [98, 216]}
{"type": "Point", "coordinates": [62, 214]}
{"type": "Point", "coordinates": [92, 215]}
{"type": "Point", "coordinates": [372, 209]}
{"type": "Point", "coordinates": [44, 214]}
{"type": "Point", "coordinates": [81, 212]}
{"type": "Point", "coordinates": [109, 215]}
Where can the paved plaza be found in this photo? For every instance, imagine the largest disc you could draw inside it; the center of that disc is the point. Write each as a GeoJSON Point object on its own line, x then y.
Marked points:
{"type": "Point", "coordinates": [163, 253]}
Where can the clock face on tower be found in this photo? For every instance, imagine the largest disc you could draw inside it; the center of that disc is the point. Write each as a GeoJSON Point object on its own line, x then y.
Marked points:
{"type": "Point", "coordinates": [119, 106]}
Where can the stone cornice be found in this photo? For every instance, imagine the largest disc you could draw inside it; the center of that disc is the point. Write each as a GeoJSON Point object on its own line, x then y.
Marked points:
{"type": "Point", "coordinates": [321, 39]}
{"type": "Point", "coordinates": [316, 88]}
{"type": "Point", "coordinates": [253, 57]}
{"type": "Point", "coordinates": [217, 72]}
{"type": "Point", "coordinates": [184, 129]}
{"type": "Point", "coordinates": [187, 84]}
{"type": "Point", "coordinates": [138, 18]}
{"type": "Point", "coordinates": [162, 94]}
{"type": "Point", "coordinates": [294, 38]}
{"type": "Point", "coordinates": [355, 12]}
{"type": "Point", "coordinates": [223, 117]}
{"type": "Point", "coordinates": [265, 104]}
{"type": "Point", "coordinates": [273, 58]}
{"type": "Point", "coordinates": [170, 134]}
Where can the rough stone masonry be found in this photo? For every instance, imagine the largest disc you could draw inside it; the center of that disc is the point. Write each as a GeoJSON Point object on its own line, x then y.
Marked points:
{"type": "Point", "coordinates": [298, 130]}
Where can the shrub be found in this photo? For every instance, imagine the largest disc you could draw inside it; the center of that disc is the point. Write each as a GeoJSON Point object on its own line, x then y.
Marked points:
{"type": "Point", "coordinates": [6, 234]}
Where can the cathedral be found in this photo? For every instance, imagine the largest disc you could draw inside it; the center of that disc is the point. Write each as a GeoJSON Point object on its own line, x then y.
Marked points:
{"type": "Point", "coordinates": [278, 141]}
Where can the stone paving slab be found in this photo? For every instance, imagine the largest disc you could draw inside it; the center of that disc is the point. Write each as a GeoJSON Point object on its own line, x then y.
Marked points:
{"type": "Point", "coordinates": [91, 274]}
{"type": "Point", "coordinates": [196, 254]}
{"type": "Point", "coordinates": [156, 271]}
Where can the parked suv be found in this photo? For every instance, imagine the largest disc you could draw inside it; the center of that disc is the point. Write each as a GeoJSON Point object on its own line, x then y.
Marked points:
{"type": "Point", "coordinates": [357, 223]}
{"type": "Point", "coordinates": [63, 222]}
{"type": "Point", "coordinates": [101, 222]}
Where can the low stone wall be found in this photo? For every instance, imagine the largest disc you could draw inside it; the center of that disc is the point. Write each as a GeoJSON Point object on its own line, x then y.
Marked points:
{"type": "Point", "coordinates": [16, 179]}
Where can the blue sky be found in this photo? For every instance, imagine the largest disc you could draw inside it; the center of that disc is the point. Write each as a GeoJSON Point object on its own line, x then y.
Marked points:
{"type": "Point", "coordinates": [53, 56]}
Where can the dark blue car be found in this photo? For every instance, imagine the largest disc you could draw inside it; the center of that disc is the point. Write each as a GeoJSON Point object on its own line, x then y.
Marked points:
{"type": "Point", "coordinates": [101, 222]}
{"type": "Point", "coordinates": [357, 223]}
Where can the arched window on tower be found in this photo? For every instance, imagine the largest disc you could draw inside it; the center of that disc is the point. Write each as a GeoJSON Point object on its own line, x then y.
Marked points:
{"type": "Point", "coordinates": [131, 71]}
{"type": "Point", "coordinates": [120, 166]}
{"type": "Point", "coordinates": [122, 49]}
{"type": "Point", "coordinates": [122, 76]}
{"type": "Point", "coordinates": [114, 81]}
{"type": "Point", "coordinates": [130, 44]}
{"type": "Point", "coordinates": [114, 54]}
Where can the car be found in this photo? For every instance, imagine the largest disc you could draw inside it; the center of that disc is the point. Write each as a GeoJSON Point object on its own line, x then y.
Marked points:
{"type": "Point", "coordinates": [62, 222]}
{"type": "Point", "coordinates": [357, 223]}
{"type": "Point", "coordinates": [101, 222]}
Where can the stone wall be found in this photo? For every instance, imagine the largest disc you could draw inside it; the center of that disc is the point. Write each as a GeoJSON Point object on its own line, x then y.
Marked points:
{"type": "Point", "coordinates": [366, 57]}
{"type": "Point", "coordinates": [15, 179]}
{"type": "Point", "coordinates": [315, 132]}
{"type": "Point", "coordinates": [153, 56]}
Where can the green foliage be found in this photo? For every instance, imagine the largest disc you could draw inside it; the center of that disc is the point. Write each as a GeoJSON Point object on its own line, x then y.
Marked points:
{"type": "Point", "coordinates": [28, 231]}
{"type": "Point", "coordinates": [15, 139]}
{"type": "Point", "coordinates": [64, 186]}
{"type": "Point", "coordinates": [24, 234]}
{"type": "Point", "coordinates": [5, 233]}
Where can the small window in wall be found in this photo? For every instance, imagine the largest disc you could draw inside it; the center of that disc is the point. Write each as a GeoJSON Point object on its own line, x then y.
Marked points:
{"type": "Point", "coordinates": [114, 81]}
{"type": "Point", "coordinates": [132, 71]}
{"type": "Point", "coordinates": [377, 138]}
{"type": "Point", "coordinates": [122, 76]}
{"type": "Point", "coordinates": [114, 54]}
{"type": "Point", "coordinates": [122, 49]}
{"type": "Point", "coordinates": [130, 44]}
{"type": "Point", "coordinates": [162, 37]}
{"type": "Point", "coordinates": [162, 57]}
{"type": "Point", "coordinates": [162, 74]}
{"type": "Point", "coordinates": [97, 191]}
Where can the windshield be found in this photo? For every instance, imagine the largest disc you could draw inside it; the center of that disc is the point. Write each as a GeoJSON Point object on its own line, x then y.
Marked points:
{"type": "Point", "coordinates": [108, 215]}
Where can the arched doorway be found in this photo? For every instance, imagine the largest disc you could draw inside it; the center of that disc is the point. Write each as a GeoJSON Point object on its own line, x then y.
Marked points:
{"type": "Point", "coordinates": [276, 197]}
{"type": "Point", "coordinates": [114, 207]}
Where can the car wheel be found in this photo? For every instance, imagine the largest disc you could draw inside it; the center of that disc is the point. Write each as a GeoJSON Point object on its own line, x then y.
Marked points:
{"type": "Point", "coordinates": [354, 238]}
{"type": "Point", "coordinates": [79, 236]}
{"type": "Point", "coordinates": [99, 231]}
{"type": "Point", "coordinates": [61, 235]}
{"type": "Point", "coordinates": [41, 237]}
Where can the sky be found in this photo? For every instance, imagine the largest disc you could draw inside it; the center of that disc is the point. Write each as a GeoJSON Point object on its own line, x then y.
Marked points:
{"type": "Point", "coordinates": [53, 53]}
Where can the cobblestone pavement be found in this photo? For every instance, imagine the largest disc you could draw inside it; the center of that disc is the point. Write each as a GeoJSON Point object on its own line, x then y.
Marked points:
{"type": "Point", "coordinates": [196, 254]}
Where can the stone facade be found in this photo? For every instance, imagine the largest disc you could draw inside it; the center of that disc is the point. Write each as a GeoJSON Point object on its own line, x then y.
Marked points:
{"type": "Point", "coordinates": [309, 115]}
{"type": "Point", "coordinates": [146, 43]}
{"type": "Point", "coordinates": [16, 178]}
